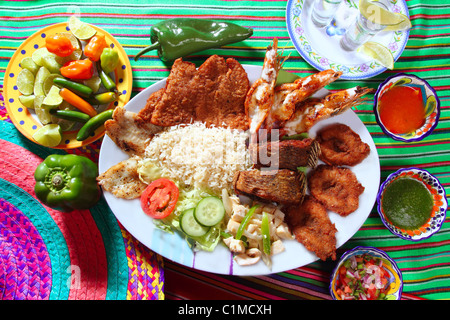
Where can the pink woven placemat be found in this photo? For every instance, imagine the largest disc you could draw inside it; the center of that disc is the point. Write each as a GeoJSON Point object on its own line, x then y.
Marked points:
{"type": "Point", "coordinates": [49, 255]}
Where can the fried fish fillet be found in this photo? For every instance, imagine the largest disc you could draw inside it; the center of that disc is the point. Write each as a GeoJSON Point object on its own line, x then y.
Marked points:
{"type": "Point", "coordinates": [311, 226]}
{"type": "Point", "coordinates": [147, 112]}
{"type": "Point", "coordinates": [214, 94]}
{"type": "Point", "coordinates": [130, 132]}
{"type": "Point", "coordinates": [122, 179]}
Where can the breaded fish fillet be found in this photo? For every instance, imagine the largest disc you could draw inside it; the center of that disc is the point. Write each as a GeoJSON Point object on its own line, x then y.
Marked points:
{"type": "Point", "coordinates": [311, 226]}
{"type": "Point", "coordinates": [214, 94]}
{"type": "Point", "coordinates": [147, 112]}
{"type": "Point", "coordinates": [130, 132]}
{"type": "Point", "coordinates": [122, 179]}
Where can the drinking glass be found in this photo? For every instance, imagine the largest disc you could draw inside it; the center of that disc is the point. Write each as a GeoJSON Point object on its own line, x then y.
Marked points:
{"type": "Point", "coordinates": [361, 30]}
{"type": "Point", "coordinates": [324, 11]}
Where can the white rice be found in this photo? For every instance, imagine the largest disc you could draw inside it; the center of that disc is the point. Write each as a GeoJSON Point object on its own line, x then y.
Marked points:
{"type": "Point", "coordinates": [198, 156]}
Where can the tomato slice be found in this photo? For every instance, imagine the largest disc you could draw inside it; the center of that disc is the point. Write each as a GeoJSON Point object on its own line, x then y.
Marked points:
{"type": "Point", "coordinates": [159, 199]}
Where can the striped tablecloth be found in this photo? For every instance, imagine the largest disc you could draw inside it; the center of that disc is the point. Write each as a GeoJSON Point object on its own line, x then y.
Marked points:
{"type": "Point", "coordinates": [425, 265]}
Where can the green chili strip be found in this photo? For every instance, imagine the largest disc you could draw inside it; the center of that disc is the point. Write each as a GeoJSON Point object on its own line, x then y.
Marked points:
{"type": "Point", "coordinates": [299, 136]}
{"type": "Point", "coordinates": [95, 122]}
{"type": "Point", "coordinates": [70, 115]}
{"type": "Point", "coordinates": [106, 80]}
{"type": "Point", "coordinates": [79, 88]}
{"type": "Point", "coordinates": [265, 230]}
{"type": "Point", "coordinates": [245, 221]}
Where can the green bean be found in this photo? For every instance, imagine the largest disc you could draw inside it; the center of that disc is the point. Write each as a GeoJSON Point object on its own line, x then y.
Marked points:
{"type": "Point", "coordinates": [94, 123]}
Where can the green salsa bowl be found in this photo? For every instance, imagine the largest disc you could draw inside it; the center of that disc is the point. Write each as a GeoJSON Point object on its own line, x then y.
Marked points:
{"type": "Point", "coordinates": [412, 204]}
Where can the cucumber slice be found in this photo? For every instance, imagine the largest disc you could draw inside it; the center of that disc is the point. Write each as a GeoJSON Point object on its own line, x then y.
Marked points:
{"type": "Point", "coordinates": [190, 226]}
{"type": "Point", "coordinates": [209, 211]}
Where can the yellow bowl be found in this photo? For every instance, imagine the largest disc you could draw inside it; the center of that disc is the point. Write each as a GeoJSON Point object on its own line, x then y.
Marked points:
{"type": "Point", "coordinates": [25, 120]}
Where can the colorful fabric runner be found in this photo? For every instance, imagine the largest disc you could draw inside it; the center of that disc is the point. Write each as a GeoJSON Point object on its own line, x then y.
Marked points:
{"type": "Point", "coordinates": [425, 265]}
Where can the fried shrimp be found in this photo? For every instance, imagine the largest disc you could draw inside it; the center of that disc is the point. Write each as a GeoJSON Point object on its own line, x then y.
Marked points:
{"type": "Point", "coordinates": [288, 95]}
{"type": "Point", "coordinates": [313, 110]}
{"type": "Point", "coordinates": [341, 146]}
{"type": "Point", "coordinates": [311, 226]}
{"type": "Point", "coordinates": [337, 188]}
{"type": "Point", "coordinates": [260, 96]}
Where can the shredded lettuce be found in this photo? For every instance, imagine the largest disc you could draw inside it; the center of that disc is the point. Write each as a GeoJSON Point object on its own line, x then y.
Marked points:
{"type": "Point", "coordinates": [188, 199]}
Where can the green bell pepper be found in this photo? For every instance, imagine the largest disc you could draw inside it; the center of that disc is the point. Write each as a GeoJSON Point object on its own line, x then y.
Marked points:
{"type": "Point", "coordinates": [67, 182]}
{"type": "Point", "coordinates": [109, 59]}
{"type": "Point", "coordinates": [180, 37]}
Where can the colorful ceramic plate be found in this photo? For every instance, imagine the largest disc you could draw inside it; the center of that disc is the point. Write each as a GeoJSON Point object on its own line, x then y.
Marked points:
{"type": "Point", "coordinates": [431, 104]}
{"type": "Point", "coordinates": [175, 247]}
{"type": "Point", "coordinates": [26, 121]}
{"type": "Point", "coordinates": [395, 276]}
{"type": "Point", "coordinates": [320, 46]}
{"type": "Point", "coordinates": [439, 211]}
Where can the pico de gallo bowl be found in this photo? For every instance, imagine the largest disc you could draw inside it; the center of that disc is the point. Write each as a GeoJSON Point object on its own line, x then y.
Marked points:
{"type": "Point", "coordinates": [366, 273]}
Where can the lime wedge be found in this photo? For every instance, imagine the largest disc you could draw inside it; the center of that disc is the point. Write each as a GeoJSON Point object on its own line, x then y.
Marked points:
{"type": "Point", "coordinates": [65, 125]}
{"type": "Point", "coordinates": [404, 24]}
{"type": "Point", "coordinates": [41, 75]}
{"type": "Point", "coordinates": [66, 106]}
{"type": "Point", "coordinates": [93, 83]}
{"type": "Point", "coordinates": [39, 54]}
{"type": "Point", "coordinates": [76, 55]}
{"type": "Point", "coordinates": [52, 99]}
{"type": "Point", "coordinates": [48, 135]}
{"type": "Point", "coordinates": [42, 114]}
{"type": "Point", "coordinates": [81, 30]}
{"type": "Point", "coordinates": [27, 101]}
{"type": "Point", "coordinates": [379, 53]}
{"type": "Point", "coordinates": [74, 40]}
{"type": "Point", "coordinates": [25, 82]}
{"type": "Point", "coordinates": [74, 23]}
{"type": "Point", "coordinates": [51, 64]}
{"type": "Point", "coordinates": [48, 82]}
{"type": "Point", "coordinates": [28, 63]}
{"type": "Point", "coordinates": [377, 14]}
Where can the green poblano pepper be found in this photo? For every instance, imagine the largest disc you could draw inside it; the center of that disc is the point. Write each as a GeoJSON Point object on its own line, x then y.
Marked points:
{"type": "Point", "coordinates": [180, 37]}
{"type": "Point", "coordinates": [67, 182]}
{"type": "Point", "coordinates": [109, 59]}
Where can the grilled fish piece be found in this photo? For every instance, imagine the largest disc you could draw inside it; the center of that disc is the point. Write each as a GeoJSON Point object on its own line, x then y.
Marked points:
{"type": "Point", "coordinates": [130, 132]}
{"type": "Point", "coordinates": [122, 179]}
{"type": "Point", "coordinates": [281, 186]}
{"type": "Point", "coordinates": [286, 154]}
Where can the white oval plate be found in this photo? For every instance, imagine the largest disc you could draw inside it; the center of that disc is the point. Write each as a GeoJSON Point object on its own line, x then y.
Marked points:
{"type": "Point", "coordinates": [320, 46]}
{"type": "Point", "coordinates": [220, 261]}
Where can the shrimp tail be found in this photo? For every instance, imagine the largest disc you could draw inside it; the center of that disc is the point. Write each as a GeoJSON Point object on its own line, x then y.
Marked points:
{"type": "Point", "coordinates": [311, 111]}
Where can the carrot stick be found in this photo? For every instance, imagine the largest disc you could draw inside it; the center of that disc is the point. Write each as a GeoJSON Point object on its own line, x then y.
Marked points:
{"type": "Point", "coordinates": [77, 102]}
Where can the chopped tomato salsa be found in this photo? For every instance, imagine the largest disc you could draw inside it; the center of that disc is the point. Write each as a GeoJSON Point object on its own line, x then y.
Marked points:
{"type": "Point", "coordinates": [362, 277]}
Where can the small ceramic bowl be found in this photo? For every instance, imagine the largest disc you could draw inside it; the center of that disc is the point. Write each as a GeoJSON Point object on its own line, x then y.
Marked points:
{"type": "Point", "coordinates": [439, 210]}
{"type": "Point", "coordinates": [430, 101]}
{"type": "Point", "coordinates": [395, 276]}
